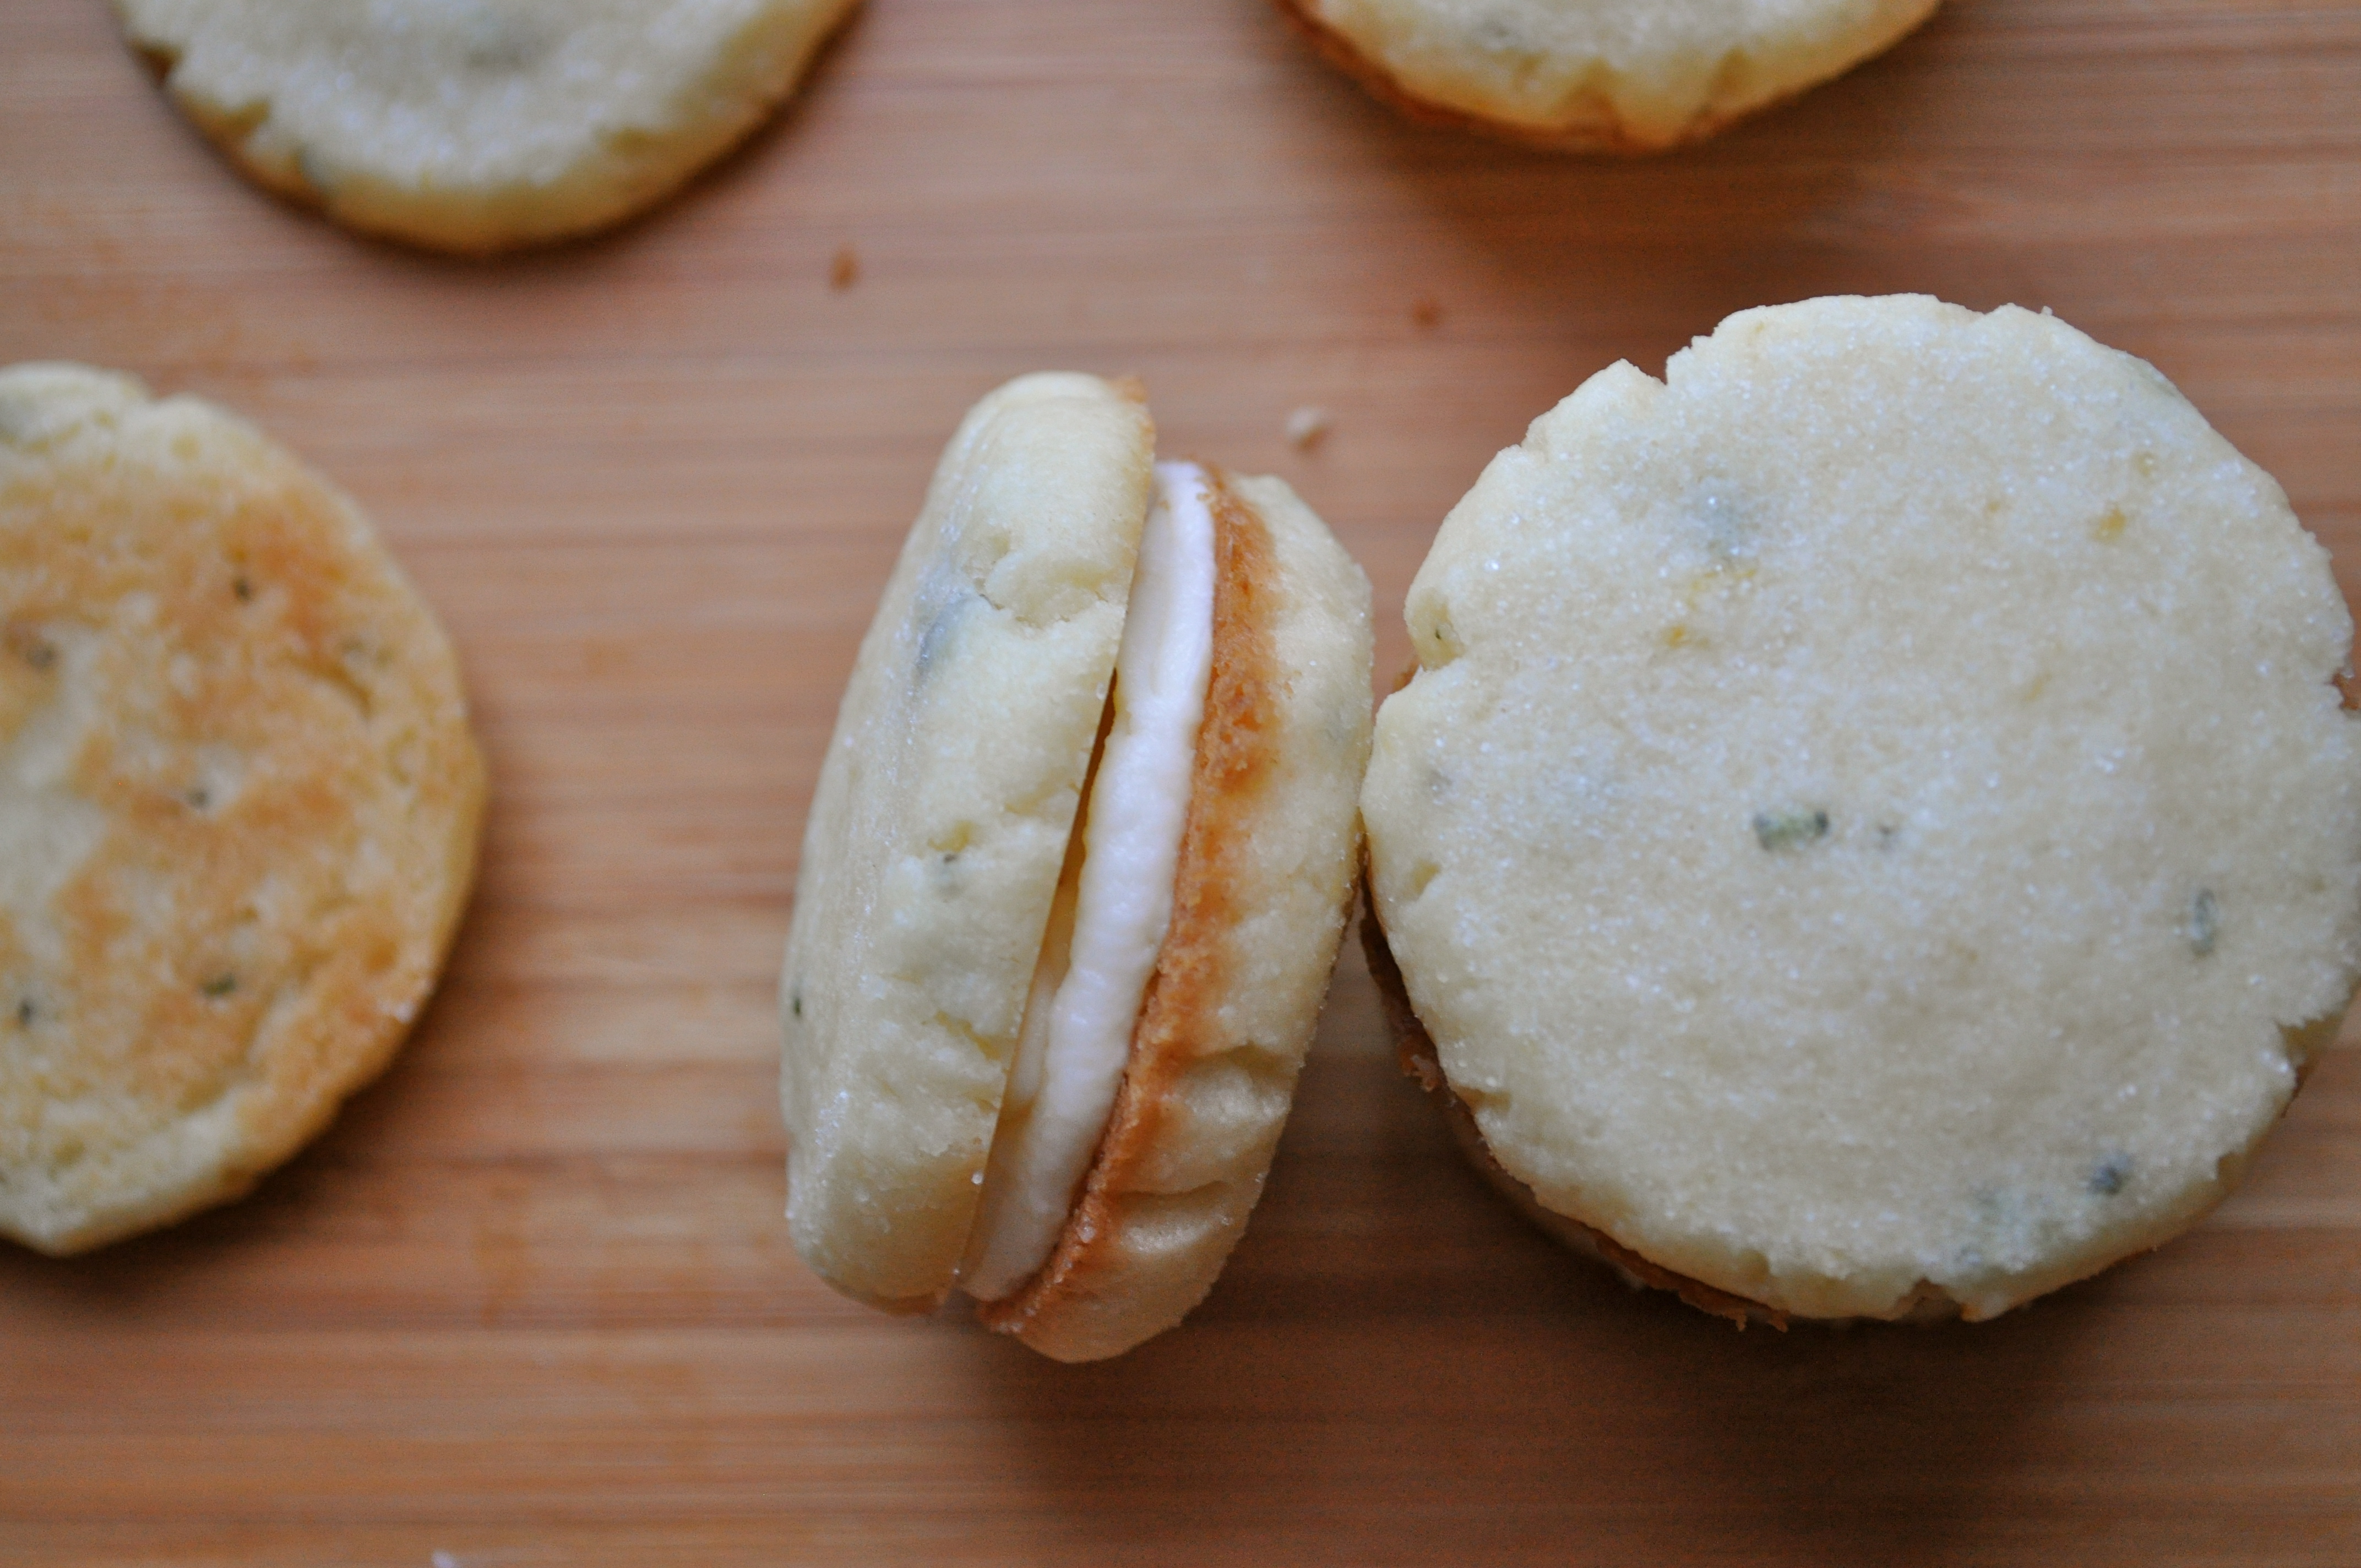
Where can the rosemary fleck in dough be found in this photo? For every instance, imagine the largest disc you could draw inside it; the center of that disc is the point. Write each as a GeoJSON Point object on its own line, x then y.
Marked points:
{"type": "Point", "coordinates": [238, 805]}
{"type": "Point", "coordinates": [476, 126]}
{"type": "Point", "coordinates": [1872, 831]}
{"type": "Point", "coordinates": [1600, 76]}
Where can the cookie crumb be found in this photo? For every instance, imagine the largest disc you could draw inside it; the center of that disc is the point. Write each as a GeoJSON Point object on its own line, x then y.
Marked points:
{"type": "Point", "coordinates": [1426, 313]}
{"type": "Point", "coordinates": [845, 270]}
{"type": "Point", "coordinates": [1307, 427]}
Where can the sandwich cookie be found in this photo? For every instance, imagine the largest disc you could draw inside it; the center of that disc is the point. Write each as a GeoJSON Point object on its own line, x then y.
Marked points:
{"type": "Point", "coordinates": [1872, 831]}
{"type": "Point", "coordinates": [1073, 878]}
{"type": "Point", "coordinates": [238, 805]}
{"type": "Point", "coordinates": [1598, 75]}
{"type": "Point", "coordinates": [478, 126]}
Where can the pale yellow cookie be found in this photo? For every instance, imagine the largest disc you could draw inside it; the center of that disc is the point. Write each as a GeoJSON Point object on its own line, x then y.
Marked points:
{"type": "Point", "coordinates": [1600, 76]}
{"type": "Point", "coordinates": [476, 126]}
{"type": "Point", "coordinates": [941, 818]}
{"type": "Point", "coordinates": [238, 805]}
{"type": "Point", "coordinates": [1872, 831]}
{"type": "Point", "coordinates": [1083, 1178]}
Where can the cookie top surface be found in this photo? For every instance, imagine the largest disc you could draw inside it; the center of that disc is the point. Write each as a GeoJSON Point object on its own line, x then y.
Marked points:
{"type": "Point", "coordinates": [1621, 75]}
{"type": "Point", "coordinates": [477, 124]}
{"type": "Point", "coordinates": [940, 821]}
{"type": "Point", "coordinates": [239, 805]}
{"type": "Point", "coordinates": [1873, 809]}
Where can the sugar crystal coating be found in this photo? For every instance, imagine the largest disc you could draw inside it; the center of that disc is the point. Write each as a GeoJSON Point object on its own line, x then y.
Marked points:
{"type": "Point", "coordinates": [1872, 817]}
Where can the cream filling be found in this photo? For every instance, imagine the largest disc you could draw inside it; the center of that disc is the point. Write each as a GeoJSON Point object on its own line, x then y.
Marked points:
{"type": "Point", "coordinates": [1111, 915]}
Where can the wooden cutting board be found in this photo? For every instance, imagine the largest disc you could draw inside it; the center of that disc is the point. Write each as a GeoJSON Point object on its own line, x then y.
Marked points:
{"type": "Point", "coordinates": [531, 1301]}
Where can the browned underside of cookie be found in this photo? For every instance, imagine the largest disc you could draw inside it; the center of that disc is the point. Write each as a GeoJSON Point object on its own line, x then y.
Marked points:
{"type": "Point", "coordinates": [273, 744]}
{"type": "Point", "coordinates": [1605, 134]}
{"type": "Point", "coordinates": [1236, 753]}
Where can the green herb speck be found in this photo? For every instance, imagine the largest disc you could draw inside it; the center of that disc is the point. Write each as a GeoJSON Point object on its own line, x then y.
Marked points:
{"type": "Point", "coordinates": [2107, 1177]}
{"type": "Point", "coordinates": [935, 643]}
{"type": "Point", "coordinates": [243, 588]}
{"type": "Point", "coordinates": [2204, 922]}
{"type": "Point", "coordinates": [26, 1013]}
{"type": "Point", "coordinates": [220, 986]}
{"type": "Point", "coordinates": [1790, 829]}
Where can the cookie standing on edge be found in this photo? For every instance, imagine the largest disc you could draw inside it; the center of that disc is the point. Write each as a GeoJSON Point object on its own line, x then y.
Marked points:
{"type": "Point", "coordinates": [1039, 1049]}
{"type": "Point", "coordinates": [1598, 75]}
{"type": "Point", "coordinates": [1871, 832]}
{"type": "Point", "coordinates": [478, 126]}
{"type": "Point", "coordinates": [238, 805]}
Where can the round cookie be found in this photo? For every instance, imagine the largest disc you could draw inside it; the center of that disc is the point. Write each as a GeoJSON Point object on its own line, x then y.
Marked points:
{"type": "Point", "coordinates": [940, 821]}
{"type": "Point", "coordinates": [476, 126]}
{"type": "Point", "coordinates": [238, 805]}
{"type": "Point", "coordinates": [1598, 75]}
{"type": "Point", "coordinates": [1872, 831]}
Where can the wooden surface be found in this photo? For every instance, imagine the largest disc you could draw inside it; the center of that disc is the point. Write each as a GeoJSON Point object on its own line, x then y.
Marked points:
{"type": "Point", "coordinates": [530, 1302]}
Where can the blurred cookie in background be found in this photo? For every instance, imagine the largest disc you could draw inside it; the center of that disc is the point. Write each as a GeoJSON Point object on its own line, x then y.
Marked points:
{"type": "Point", "coordinates": [1598, 75]}
{"type": "Point", "coordinates": [478, 125]}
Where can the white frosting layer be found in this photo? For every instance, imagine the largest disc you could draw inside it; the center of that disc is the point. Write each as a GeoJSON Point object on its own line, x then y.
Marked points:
{"type": "Point", "coordinates": [1113, 915]}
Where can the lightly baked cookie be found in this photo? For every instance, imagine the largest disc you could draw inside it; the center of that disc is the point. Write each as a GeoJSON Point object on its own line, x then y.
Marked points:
{"type": "Point", "coordinates": [1073, 878]}
{"type": "Point", "coordinates": [238, 805]}
{"type": "Point", "coordinates": [1872, 831]}
{"type": "Point", "coordinates": [478, 126]}
{"type": "Point", "coordinates": [1598, 75]}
